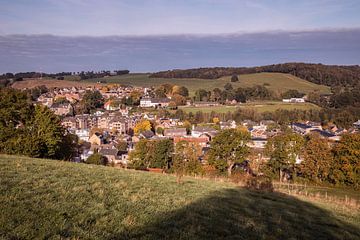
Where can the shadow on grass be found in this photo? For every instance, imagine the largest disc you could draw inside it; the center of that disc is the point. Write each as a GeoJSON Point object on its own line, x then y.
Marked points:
{"type": "Point", "coordinates": [243, 214]}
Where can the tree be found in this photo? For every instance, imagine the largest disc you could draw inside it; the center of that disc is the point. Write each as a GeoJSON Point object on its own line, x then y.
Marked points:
{"type": "Point", "coordinates": [185, 159]}
{"type": "Point", "coordinates": [143, 125]}
{"type": "Point", "coordinates": [292, 93]}
{"type": "Point", "coordinates": [97, 159]}
{"type": "Point", "coordinates": [234, 78]}
{"type": "Point", "coordinates": [317, 159]}
{"type": "Point", "coordinates": [283, 151]}
{"type": "Point", "coordinates": [180, 90]}
{"type": "Point", "coordinates": [201, 95]}
{"type": "Point", "coordinates": [91, 101]}
{"type": "Point", "coordinates": [152, 154]}
{"type": "Point", "coordinates": [228, 148]}
{"type": "Point", "coordinates": [122, 146]}
{"type": "Point", "coordinates": [159, 130]}
{"type": "Point", "coordinates": [346, 167]}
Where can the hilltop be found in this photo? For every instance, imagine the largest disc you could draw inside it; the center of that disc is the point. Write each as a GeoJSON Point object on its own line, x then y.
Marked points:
{"type": "Point", "coordinates": [53, 199]}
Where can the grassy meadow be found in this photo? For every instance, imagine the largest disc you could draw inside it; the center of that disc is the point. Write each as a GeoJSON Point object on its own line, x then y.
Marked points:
{"type": "Point", "coordinates": [274, 81]}
{"type": "Point", "coordinates": [265, 106]}
{"type": "Point", "coordinates": [47, 199]}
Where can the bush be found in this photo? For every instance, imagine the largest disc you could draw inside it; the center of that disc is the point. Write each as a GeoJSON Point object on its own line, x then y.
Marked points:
{"type": "Point", "coordinates": [97, 159]}
{"type": "Point", "coordinates": [260, 183]}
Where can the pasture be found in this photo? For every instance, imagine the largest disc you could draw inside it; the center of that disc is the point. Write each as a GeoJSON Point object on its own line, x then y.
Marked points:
{"type": "Point", "coordinates": [49, 199]}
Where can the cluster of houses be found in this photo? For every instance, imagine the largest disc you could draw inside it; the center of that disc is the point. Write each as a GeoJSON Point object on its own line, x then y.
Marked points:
{"type": "Point", "coordinates": [103, 130]}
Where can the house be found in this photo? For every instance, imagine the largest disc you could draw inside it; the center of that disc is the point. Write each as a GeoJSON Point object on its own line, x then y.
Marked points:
{"type": "Point", "coordinates": [201, 141]}
{"type": "Point", "coordinates": [112, 105]}
{"type": "Point", "coordinates": [325, 134]}
{"type": "Point", "coordinates": [146, 134]}
{"type": "Point", "coordinates": [110, 153]}
{"type": "Point", "coordinates": [83, 134]}
{"type": "Point", "coordinates": [175, 132]}
{"type": "Point", "coordinates": [154, 102]}
{"type": "Point", "coordinates": [227, 125]}
{"type": "Point", "coordinates": [69, 122]}
{"type": "Point", "coordinates": [257, 143]}
{"type": "Point", "coordinates": [97, 139]}
{"type": "Point", "coordinates": [61, 109]}
{"type": "Point", "coordinates": [357, 124]}
{"type": "Point", "coordinates": [198, 130]}
{"type": "Point", "coordinates": [118, 123]}
{"type": "Point", "coordinates": [303, 129]}
{"type": "Point", "coordinates": [294, 100]}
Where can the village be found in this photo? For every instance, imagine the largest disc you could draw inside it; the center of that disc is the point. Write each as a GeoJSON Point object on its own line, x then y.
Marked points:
{"type": "Point", "coordinates": [111, 126]}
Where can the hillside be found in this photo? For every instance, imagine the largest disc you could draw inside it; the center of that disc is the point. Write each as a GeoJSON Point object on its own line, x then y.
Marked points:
{"type": "Point", "coordinates": [278, 82]}
{"type": "Point", "coordinates": [52, 199]}
{"type": "Point", "coordinates": [50, 83]}
{"type": "Point", "coordinates": [330, 75]}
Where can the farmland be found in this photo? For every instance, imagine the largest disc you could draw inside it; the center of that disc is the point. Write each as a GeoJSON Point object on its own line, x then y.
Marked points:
{"type": "Point", "coordinates": [53, 199]}
{"type": "Point", "coordinates": [274, 81]}
{"type": "Point", "coordinates": [265, 106]}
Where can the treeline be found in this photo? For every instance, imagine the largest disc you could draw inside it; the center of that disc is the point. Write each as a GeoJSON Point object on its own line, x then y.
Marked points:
{"type": "Point", "coordinates": [100, 74]}
{"type": "Point", "coordinates": [291, 157]}
{"type": "Point", "coordinates": [330, 75]}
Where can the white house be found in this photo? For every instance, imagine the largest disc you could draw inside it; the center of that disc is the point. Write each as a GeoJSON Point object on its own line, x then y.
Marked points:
{"type": "Point", "coordinates": [154, 102]}
{"type": "Point", "coordinates": [294, 100]}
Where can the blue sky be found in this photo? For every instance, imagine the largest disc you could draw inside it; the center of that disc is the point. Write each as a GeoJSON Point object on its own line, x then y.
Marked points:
{"type": "Point", "coordinates": [153, 17]}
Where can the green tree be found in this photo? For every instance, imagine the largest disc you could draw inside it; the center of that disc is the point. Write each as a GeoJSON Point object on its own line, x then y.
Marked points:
{"type": "Point", "coordinates": [346, 167]}
{"type": "Point", "coordinates": [91, 101]}
{"type": "Point", "coordinates": [201, 95]}
{"type": "Point", "coordinates": [317, 159]}
{"type": "Point", "coordinates": [234, 78]}
{"type": "Point", "coordinates": [228, 148]}
{"type": "Point", "coordinates": [97, 159]}
{"type": "Point", "coordinates": [283, 151]}
{"type": "Point", "coordinates": [122, 146]}
{"type": "Point", "coordinates": [139, 157]}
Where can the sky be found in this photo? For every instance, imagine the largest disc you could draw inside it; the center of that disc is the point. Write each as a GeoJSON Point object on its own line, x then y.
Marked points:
{"type": "Point", "coordinates": [168, 17]}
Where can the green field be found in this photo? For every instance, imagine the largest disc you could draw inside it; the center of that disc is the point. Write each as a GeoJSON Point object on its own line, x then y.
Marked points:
{"type": "Point", "coordinates": [278, 82]}
{"type": "Point", "coordinates": [266, 106]}
{"type": "Point", "coordinates": [47, 199]}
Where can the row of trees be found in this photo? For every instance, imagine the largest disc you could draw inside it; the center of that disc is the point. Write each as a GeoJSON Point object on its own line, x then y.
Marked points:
{"type": "Point", "coordinates": [291, 157]}
{"type": "Point", "coordinates": [31, 130]}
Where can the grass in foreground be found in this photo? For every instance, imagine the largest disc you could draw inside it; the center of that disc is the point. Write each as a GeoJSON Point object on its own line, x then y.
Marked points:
{"type": "Point", "coordinates": [52, 199]}
{"type": "Point", "coordinates": [265, 106]}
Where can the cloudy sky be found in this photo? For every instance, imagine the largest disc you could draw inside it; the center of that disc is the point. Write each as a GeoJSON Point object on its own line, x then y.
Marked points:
{"type": "Point", "coordinates": [153, 17]}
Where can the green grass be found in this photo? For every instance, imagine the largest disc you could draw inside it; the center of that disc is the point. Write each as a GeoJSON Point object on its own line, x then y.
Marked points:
{"type": "Point", "coordinates": [278, 82]}
{"type": "Point", "coordinates": [53, 200]}
{"type": "Point", "coordinates": [260, 107]}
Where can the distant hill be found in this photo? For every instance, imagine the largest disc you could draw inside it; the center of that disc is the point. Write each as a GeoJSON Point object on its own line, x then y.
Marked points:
{"type": "Point", "coordinates": [277, 82]}
{"type": "Point", "coordinates": [47, 199]}
{"type": "Point", "coordinates": [330, 75]}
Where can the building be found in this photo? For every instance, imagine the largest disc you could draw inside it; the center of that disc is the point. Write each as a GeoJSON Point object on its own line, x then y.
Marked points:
{"type": "Point", "coordinates": [201, 141]}
{"type": "Point", "coordinates": [175, 132]}
{"type": "Point", "coordinates": [154, 102]}
{"type": "Point", "coordinates": [83, 134]}
{"type": "Point", "coordinates": [199, 130]}
{"type": "Point", "coordinates": [61, 109]}
{"type": "Point", "coordinates": [111, 154]}
{"type": "Point", "coordinates": [294, 100]}
{"type": "Point", "coordinates": [119, 123]}
{"type": "Point", "coordinates": [303, 128]}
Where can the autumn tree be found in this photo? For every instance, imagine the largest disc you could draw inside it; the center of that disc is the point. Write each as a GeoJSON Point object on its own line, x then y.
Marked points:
{"type": "Point", "coordinates": [143, 125]}
{"type": "Point", "coordinates": [90, 101]}
{"type": "Point", "coordinates": [186, 159]}
{"type": "Point", "coordinates": [122, 146]}
{"type": "Point", "coordinates": [180, 90]}
{"type": "Point", "coordinates": [346, 167]}
{"type": "Point", "coordinates": [234, 78]}
{"type": "Point", "coordinates": [317, 159]}
{"type": "Point", "coordinates": [228, 148]}
{"type": "Point", "coordinates": [283, 151]}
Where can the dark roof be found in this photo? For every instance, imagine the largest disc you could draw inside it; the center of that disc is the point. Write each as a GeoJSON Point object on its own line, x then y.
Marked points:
{"type": "Point", "coordinates": [323, 133]}
{"type": "Point", "coordinates": [301, 125]}
{"type": "Point", "coordinates": [107, 152]}
{"type": "Point", "coordinates": [147, 134]}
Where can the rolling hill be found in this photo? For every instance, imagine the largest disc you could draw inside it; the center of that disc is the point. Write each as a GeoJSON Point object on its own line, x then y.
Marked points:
{"type": "Point", "coordinates": [53, 200]}
{"type": "Point", "coordinates": [275, 81]}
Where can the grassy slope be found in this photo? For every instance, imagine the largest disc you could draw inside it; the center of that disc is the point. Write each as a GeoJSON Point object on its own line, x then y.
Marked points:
{"type": "Point", "coordinates": [52, 199]}
{"type": "Point", "coordinates": [278, 82]}
{"type": "Point", "coordinates": [260, 107]}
